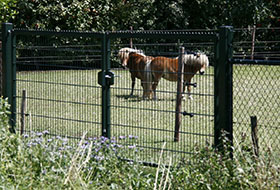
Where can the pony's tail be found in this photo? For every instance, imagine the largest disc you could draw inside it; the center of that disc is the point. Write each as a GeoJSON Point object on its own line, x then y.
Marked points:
{"type": "Point", "coordinates": [148, 80]}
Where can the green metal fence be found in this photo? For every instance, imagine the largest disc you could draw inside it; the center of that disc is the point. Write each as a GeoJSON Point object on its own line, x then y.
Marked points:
{"type": "Point", "coordinates": [74, 85]}
{"type": "Point", "coordinates": [150, 124]}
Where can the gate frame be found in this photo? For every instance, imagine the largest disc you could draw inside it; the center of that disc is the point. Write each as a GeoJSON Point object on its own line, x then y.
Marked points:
{"type": "Point", "coordinates": [222, 70]}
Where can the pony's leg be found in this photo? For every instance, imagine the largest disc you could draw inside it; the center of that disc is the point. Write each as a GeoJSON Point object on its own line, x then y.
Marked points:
{"type": "Point", "coordinates": [183, 94]}
{"type": "Point", "coordinates": [132, 85]}
{"type": "Point", "coordinates": [189, 91]}
{"type": "Point", "coordinates": [187, 83]}
{"type": "Point", "coordinates": [145, 90]}
{"type": "Point", "coordinates": [154, 86]}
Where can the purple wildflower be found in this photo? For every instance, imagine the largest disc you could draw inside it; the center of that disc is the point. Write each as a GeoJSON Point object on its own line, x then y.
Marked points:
{"type": "Point", "coordinates": [39, 134]}
{"type": "Point", "coordinates": [122, 137]}
{"type": "Point", "coordinates": [131, 146]}
{"type": "Point", "coordinates": [45, 132]}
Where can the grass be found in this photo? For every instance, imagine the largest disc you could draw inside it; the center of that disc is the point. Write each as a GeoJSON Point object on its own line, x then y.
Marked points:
{"type": "Point", "coordinates": [69, 103]}
{"type": "Point", "coordinates": [39, 161]}
{"type": "Point", "coordinates": [256, 93]}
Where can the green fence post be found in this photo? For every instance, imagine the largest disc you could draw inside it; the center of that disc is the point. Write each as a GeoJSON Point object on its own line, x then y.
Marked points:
{"type": "Point", "coordinates": [9, 70]}
{"type": "Point", "coordinates": [105, 78]}
{"type": "Point", "coordinates": [223, 87]}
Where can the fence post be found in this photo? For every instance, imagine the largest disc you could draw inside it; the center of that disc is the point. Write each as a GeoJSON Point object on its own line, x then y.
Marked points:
{"type": "Point", "coordinates": [254, 135]}
{"type": "Point", "coordinates": [179, 94]}
{"type": "Point", "coordinates": [223, 87]}
{"type": "Point", "coordinates": [105, 81]}
{"type": "Point", "coordinates": [22, 112]}
{"type": "Point", "coordinates": [9, 70]}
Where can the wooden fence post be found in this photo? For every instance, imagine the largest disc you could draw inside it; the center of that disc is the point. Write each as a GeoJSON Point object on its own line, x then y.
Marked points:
{"type": "Point", "coordinates": [22, 112]}
{"type": "Point", "coordinates": [131, 43]}
{"type": "Point", "coordinates": [179, 94]}
{"type": "Point", "coordinates": [253, 42]}
{"type": "Point", "coordinates": [254, 134]}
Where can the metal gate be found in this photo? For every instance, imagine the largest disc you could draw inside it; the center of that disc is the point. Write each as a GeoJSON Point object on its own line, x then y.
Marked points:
{"type": "Point", "coordinates": [73, 85]}
{"type": "Point", "coordinates": [149, 125]}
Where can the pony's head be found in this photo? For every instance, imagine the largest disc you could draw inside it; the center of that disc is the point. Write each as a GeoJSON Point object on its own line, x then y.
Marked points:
{"type": "Point", "coordinates": [199, 61]}
{"type": "Point", "coordinates": [124, 54]}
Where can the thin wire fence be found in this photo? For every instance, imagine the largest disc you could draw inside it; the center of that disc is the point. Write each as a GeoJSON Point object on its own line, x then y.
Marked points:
{"type": "Point", "coordinates": [256, 87]}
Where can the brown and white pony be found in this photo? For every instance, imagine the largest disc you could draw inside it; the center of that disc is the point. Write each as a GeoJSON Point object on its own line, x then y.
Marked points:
{"type": "Point", "coordinates": [167, 68]}
{"type": "Point", "coordinates": [136, 61]}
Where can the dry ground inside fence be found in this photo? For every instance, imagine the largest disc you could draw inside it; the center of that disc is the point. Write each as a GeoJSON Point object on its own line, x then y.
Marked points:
{"type": "Point", "coordinates": [68, 103]}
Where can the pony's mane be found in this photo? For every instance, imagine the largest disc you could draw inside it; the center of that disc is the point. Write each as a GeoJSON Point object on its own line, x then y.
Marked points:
{"type": "Point", "coordinates": [124, 52]}
{"type": "Point", "coordinates": [194, 59]}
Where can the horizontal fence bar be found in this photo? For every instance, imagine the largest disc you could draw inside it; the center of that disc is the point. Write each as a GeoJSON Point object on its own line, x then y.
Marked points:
{"type": "Point", "coordinates": [54, 135]}
{"type": "Point", "coordinates": [62, 119]}
{"type": "Point", "coordinates": [165, 92]}
{"type": "Point", "coordinates": [212, 35]}
{"type": "Point", "coordinates": [60, 101]}
{"type": "Point", "coordinates": [161, 130]}
{"type": "Point", "coordinates": [156, 110]}
{"type": "Point", "coordinates": [200, 35]}
{"type": "Point", "coordinates": [164, 149]}
{"type": "Point", "coordinates": [54, 67]}
{"type": "Point", "coordinates": [67, 33]}
{"type": "Point", "coordinates": [254, 62]}
{"type": "Point", "coordinates": [62, 84]}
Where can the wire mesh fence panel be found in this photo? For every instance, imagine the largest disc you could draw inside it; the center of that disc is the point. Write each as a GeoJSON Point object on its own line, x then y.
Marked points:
{"type": "Point", "coordinates": [256, 93]}
{"type": "Point", "coordinates": [59, 74]}
{"type": "Point", "coordinates": [148, 126]}
{"type": "Point", "coordinates": [256, 87]}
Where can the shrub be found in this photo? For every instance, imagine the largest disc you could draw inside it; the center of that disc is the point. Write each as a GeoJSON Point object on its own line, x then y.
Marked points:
{"type": "Point", "coordinates": [7, 10]}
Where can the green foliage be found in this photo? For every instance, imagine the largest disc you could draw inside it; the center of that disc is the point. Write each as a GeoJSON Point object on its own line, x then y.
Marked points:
{"type": "Point", "coordinates": [8, 10]}
{"type": "Point", "coordinates": [91, 15]}
{"type": "Point", "coordinates": [212, 14]}
{"type": "Point", "coordinates": [4, 112]}
{"type": "Point", "coordinates": [210, 169]}
{"type": "Point", "coordinates": [102, 15]}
